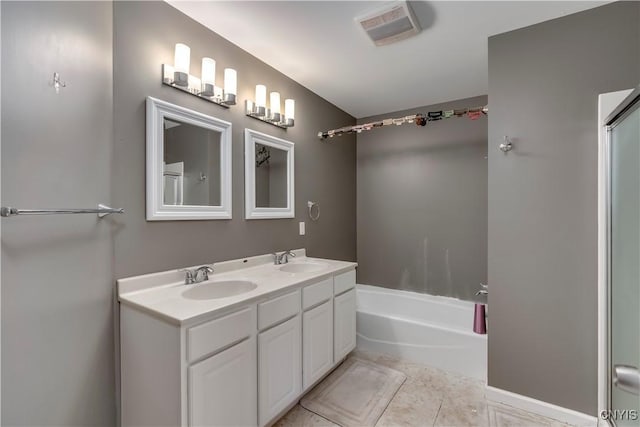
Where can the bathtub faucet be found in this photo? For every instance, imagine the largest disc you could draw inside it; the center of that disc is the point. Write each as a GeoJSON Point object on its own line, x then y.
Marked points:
{"type": "Point", "coordinates": [484, 290]}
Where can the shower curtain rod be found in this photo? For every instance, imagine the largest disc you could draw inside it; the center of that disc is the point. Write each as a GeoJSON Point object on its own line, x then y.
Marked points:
{"type": "Point", "coordinates": [418, 119]}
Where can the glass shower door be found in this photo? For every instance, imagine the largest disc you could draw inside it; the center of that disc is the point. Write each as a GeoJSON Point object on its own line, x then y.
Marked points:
{"type": "Point", "coordinates": [624, 280]}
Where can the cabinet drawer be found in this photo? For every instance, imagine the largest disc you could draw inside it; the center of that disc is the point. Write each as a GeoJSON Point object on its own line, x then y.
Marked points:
{"type": "Point", "coordinates": [278, 309]}
{"type": "Point", "coordinates": [317, 293]}
{"type": "Point", "coordinates": [212, 336]}
{"type": "Point", "coordinates": [343, 282]}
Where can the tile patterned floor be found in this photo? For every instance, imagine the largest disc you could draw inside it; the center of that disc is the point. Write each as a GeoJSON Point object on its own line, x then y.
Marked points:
{"type": "Point", "coordinates": [431, 397]}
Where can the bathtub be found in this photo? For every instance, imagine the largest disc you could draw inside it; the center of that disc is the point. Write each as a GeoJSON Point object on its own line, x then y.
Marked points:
{"type": "Point", "coordinates": [431, 330]}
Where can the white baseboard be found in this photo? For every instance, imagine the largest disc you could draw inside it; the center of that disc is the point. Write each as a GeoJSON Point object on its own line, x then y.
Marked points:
{"type": "Point", "coordinates": [539, 407]}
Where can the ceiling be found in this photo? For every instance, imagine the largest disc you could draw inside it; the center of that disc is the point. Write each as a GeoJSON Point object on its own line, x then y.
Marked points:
{"type": "Point", "coordinates": [319, 45]}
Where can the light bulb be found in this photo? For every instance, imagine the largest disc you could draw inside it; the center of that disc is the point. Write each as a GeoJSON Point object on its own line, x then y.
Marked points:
{"type": "Point", "coordinates": [274, 102]}
{"type": "Point", "coordinates": [261, 100]}
{"type": "Point", "coordinates": [274, 105]}
{"type": "Point", "coordinates": [230, 86]}
{"type": "Point", "coordinates": [261, 95]}
{"type": "Point", "coordinates": [182, 58]}
{"type": "Point", "coordinates": [289, 109]}
{"type": "Point", "coordinates": [181, 63]}
{"type": "Point", "coordinates": [230, 81]}
{"type": "Point", "coordinates": [208, 77]}
{"type": "Point", "coordinates": [208, 71]}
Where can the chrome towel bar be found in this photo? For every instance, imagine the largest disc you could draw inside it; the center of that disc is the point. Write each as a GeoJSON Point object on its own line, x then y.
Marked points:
{"type": "Point", "coordinates": [102, 211]}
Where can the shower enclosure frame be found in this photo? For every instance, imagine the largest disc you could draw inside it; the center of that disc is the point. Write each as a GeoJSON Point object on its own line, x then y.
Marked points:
{"type": "Point", "coordinates": [608, 103]}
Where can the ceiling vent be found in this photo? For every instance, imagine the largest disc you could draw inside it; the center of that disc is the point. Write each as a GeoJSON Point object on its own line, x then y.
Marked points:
{"type": "Point", "coordinates": [390, 24]}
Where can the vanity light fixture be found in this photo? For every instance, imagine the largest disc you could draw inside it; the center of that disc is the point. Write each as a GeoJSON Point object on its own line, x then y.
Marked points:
{"type": "Point", "coordinates": [177, 76]}
{"type": "Point", "coordinates": [272, 115]}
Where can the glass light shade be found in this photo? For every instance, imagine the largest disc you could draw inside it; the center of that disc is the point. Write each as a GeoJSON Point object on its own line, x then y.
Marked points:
{"type": "Point", "coordinates": [274, 102]}
{"type": "Point", "coordinates": [230, 81]}
{"type": "Point", "coordinates": [182, 58]}
{"type": "Point", "coordinates": [208, 71]}
{"type": "Point", "coordinates": [261, 96]}
{"type": "Point", "coordinates": [289, 109]}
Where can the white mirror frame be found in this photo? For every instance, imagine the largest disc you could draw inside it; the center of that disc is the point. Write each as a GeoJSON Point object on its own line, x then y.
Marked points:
{"type": "Point", "coordinates": [157, 110]}
{"type": "Point", "coordinates": [251, 138]}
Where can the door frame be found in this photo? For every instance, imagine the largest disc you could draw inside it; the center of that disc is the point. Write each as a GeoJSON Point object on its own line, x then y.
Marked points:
{"type": "Point", "coordinates": [608, 103]}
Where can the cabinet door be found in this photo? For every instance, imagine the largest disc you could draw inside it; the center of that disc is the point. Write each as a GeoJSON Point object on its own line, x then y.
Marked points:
{"type": "Point", "coordinates": [279, 368]}
{"type": "Point", "coordinates": [222, 388]}
{"type": "Point", "coordinates": [345, 324]}
{"type": "Point", "coordinates": [317, 343]}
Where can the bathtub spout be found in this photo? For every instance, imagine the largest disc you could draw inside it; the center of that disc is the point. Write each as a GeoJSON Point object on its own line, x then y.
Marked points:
{"type": "Point", "coordinates": [479, 319]}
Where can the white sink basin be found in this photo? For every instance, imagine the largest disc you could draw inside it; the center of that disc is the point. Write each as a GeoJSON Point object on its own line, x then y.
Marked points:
{"type": "Point", "coordinates": [303, 267]}
{"type": "Point", "coordinates": [220, 289]}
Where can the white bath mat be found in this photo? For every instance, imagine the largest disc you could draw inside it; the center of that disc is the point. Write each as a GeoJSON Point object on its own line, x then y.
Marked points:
{"type": "Point", "coordinates": [356, 394]}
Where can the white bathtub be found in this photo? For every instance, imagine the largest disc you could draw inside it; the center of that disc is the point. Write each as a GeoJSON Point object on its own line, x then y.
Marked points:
{"type": "Point", "coordinates": [432, 330]}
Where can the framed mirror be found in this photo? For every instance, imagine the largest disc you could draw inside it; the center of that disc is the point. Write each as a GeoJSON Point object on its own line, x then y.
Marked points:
{"type": "Point", "coordinates": [188, 164]}
{"type": "Point", "coordinates": [268, 176]}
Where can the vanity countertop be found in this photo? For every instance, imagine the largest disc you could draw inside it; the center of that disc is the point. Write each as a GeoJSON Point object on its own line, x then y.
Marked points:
{"type": "Point", "coordinates": [160, 294]}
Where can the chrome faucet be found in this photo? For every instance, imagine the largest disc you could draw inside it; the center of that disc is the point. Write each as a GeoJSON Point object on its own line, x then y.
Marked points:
{"type": "Point", "coordinates": [283, 258]}
{"type": "Point", "coordinates": [200, 274]}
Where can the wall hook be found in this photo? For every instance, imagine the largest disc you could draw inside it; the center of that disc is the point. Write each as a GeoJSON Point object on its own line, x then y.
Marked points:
{"type": "Point", "coordinates": [57, 83]}
{"type": "Point", "coordinates": [507, 145]}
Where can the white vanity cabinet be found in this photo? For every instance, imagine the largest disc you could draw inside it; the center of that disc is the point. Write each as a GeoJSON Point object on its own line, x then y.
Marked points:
{"type": "Point", "coordinates": [244, 364]}
{"type": "Point", "coordinates": [201, 375]}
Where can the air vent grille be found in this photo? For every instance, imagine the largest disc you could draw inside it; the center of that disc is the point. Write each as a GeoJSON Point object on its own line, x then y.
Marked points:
{"type": "Point", "coordinates": [390, 24]}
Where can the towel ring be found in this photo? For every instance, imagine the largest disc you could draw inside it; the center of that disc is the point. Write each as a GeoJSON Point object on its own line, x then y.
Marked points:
{"type": "Point", "coordinates": [312, 205]}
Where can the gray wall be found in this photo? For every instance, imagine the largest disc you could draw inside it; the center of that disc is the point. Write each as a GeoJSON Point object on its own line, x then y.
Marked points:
{"type": "Point", "coordinates": [57, 278]}
{"type": "Point", "coordinates": [145, 35]}
{"type": "Point", "coordinates": [422, 204]}
{"type": "Point", "coordinates": [544, 82]}
{"type": "Point", "coordinates": [71, 150]}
